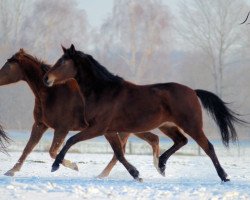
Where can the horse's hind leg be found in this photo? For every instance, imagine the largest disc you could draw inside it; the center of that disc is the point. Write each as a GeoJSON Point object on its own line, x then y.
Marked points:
{"type": "Point", "coordinates": [153, 140]}
{"type": "Point", "coordinates": [124, 138]}
{"type": "Point", "coordinates": [204, 143]}
{"type": "Point", "coordinates": [36, 134]}
{"type": "Point", "coordinates": [179, 141]}
{"type": "Point", "coordinates": [116, 145]}
{"type": "Point", "coordinates": [58, 139]}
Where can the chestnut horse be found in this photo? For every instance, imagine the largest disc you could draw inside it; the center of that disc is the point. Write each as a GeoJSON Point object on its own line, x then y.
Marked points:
{"type": "Point", "coordinates": [60, 108]}
{"type": "Point", "coordinates": [115, 105]}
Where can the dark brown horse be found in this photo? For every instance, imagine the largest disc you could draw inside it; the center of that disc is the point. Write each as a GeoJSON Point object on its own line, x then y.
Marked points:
{"type": "Point", "coordinates": [60, 108]}
{"type": "Point", "coordinates": [115, 105]}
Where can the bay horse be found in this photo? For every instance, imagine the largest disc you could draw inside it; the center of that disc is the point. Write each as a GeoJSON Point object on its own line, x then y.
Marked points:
{"type": "Point", "coordinates": [60, 108]}
{"type": "Point", "coordinates": [116, 105]}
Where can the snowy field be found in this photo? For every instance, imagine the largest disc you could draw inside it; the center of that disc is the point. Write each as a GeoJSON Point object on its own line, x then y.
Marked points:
{"type": "Point", "coordinates": [187, 177]}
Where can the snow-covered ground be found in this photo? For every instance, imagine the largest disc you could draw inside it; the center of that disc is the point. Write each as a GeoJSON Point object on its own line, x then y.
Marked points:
{"type": "Point", "coordinates": [187, 177]}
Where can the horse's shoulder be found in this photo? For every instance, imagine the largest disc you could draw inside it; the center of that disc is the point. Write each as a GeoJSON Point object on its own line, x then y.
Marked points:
{"type": "Point", "coordinates": [73, 86]}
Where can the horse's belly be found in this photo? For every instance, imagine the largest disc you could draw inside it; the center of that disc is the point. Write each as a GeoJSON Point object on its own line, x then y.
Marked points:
{"type": "Point", "coordinates": [141, 123]}
{"type": "Point", "coordinates": [68, 120]}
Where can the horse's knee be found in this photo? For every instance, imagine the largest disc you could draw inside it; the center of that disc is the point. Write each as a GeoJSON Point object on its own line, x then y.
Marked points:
{"type": "Point", "coordinates": [210, 146]}
{"type": "Point", "coordinates": [209, 149]}
{"type": "Point", "coordinates": [119, 157]}
{"type": "Point", "coordinates": [182, 140]}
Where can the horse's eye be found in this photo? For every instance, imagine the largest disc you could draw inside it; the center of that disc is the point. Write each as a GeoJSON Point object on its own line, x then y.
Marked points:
{"type": "Point", "coordinates": [63, 62]}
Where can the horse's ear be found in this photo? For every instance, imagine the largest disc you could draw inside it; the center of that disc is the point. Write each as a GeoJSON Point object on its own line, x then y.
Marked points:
{"type": "Point", "coordinates": [64, 49]}
{"type": "Point", "coordinates": [72, 49]}
{"type": "Point", "coordinates": [21, 50]}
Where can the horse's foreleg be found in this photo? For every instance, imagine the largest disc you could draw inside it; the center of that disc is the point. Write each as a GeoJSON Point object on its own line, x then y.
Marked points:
{"type": "Point", "coordinates": [124, 138]}
{"type": "Point", "coordinates": [153, 140]}
{"type": "Point", "coordinates": [58, 139]}
{"type": "Point", "coordinates": [81, 136]}
{"type": "Point", "coordinates": [179, 141]}
{"type": "Point", "coordinates": [116, 145]}
{"type": "Point", "coordinates": [36, 134]}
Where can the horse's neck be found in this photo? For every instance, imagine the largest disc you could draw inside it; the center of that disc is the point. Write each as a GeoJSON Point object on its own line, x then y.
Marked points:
{"type": "Point", "coordinates": [91, 87]}
{"type": "Point", "coordinates": [34, 80]}
{"type": "Point", "coordinates": [85, 82]}
{"type": "Point", "coordinates": [85, 90]}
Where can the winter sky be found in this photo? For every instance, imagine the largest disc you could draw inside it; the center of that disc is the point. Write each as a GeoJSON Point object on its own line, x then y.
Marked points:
{"type": "Point", "coordinates": [98, 10]}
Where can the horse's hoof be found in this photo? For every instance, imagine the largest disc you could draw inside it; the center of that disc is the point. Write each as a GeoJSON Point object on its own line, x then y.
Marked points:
{"type": "Point", "coordinates": [162, 167]}
{"type": "Point", "coordinates": [163, 173]}
{"type": "Point", "coordinates": [162, 170]}
{"type": "Point", "coordinates": [226, 180]}
{"type": "Point", "coordinates": [101, 176]}
{"type": "Point", "coordinates": [54, 167]}
{"type": "Point", "coordinates": [75, 167]}
{"type": "Point", "coordinates": [9, 173]}
{"type": "Point", "coordinates": [139, 179]}
{"type": "Point", "coordinates": [156, 164]}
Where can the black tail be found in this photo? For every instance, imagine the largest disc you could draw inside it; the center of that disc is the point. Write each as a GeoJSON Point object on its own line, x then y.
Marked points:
{"type": "Point", "coordinates": [222, 115]}
{"type": "Point", "coordinates": [3, 140]}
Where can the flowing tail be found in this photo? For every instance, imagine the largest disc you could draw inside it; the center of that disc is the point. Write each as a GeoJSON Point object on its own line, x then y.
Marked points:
{"type": "Point", "coordinates": [222, 115]}
{"type": "Point", "coordinates": [3, 140]}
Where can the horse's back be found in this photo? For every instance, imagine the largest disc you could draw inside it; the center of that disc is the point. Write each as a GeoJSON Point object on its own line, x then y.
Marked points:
{"type": "Point", "coordinates": [176, 93]}
{"type": "Point", "coordinates": [171, 89]}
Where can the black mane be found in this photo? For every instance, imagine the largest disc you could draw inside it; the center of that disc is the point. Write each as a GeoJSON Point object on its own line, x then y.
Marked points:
{"type": "Point", "coordinates": [98, 70]}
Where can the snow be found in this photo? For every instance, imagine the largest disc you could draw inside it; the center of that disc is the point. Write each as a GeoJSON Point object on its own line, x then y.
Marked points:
{"type": "Point", "coordinates": [187, 177]}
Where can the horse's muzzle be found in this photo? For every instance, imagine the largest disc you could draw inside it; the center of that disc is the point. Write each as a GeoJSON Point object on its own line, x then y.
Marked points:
{"type": "Point", "coordinates": [47, 82]}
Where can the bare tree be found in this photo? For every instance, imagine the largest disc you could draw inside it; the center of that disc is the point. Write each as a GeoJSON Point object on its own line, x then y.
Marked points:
{"type": "Point", "coordinates": [51, 24]}
{"type": "Point", "coordinates": [139, 32]}
{"type": "Point", "coordinates": [39, 27]}
{"type": "Point", "coordinates": [213, 27]}
{"type": "Point", "coordinates": [15, 103]}
{"type": "Point", "coordinates": [11, 18]}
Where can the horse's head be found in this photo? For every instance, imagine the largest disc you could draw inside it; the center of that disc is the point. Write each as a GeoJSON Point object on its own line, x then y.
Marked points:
{"type": "Point", "coordinates": [78, 65]}
{"type": "Point", "coordinates": [11, 71]}
{"type": "Point", "coordinates": [64, 69]}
